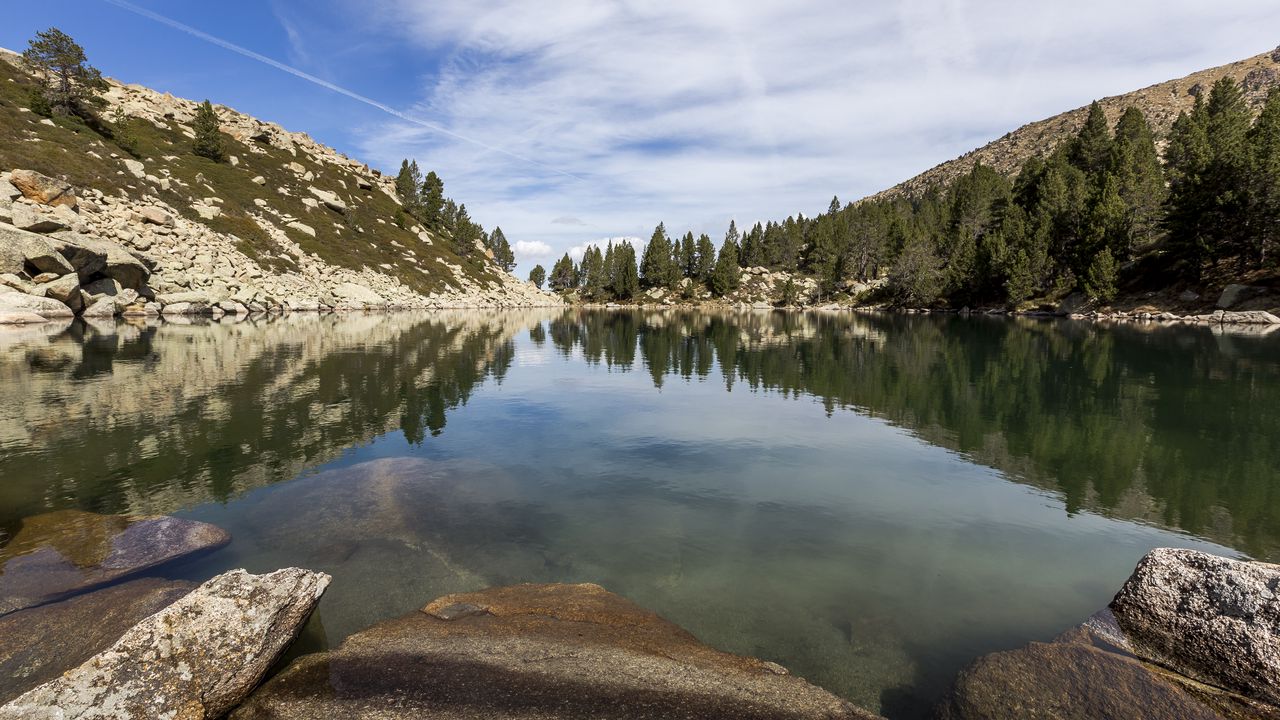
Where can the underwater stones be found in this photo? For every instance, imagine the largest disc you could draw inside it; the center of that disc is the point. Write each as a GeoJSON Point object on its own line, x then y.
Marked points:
{"type": "Point", "coordinates": [67, 551]}
{"type": "Point", "coordinates": [40, 643]}
{"type": "Point", "coordinates": [194, 660]}
{"type": "Point", "coordinates": [536, 651]}
{"type": "Point", "coordinates": [1208, 617]}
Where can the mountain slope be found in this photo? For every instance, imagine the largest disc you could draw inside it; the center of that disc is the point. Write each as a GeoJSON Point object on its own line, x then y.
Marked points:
{"type": "Point", "coordinates": [1161, 103]}
{"type": "Point", "coordinates": [285, 216]}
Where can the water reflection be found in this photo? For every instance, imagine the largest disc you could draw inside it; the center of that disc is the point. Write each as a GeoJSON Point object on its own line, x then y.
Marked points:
{"type": "Point", "coordinates": [828, 491]}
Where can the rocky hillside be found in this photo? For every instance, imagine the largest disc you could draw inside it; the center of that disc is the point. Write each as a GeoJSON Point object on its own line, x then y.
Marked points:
{"type": "Point", "coordinates": [285, 222]}
{"type": "Point", "coordinates": [1161, 103]}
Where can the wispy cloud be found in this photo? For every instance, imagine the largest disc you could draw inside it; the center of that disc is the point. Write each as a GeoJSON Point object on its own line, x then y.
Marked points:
{"type": "Point", "coordinates": [696, 113]}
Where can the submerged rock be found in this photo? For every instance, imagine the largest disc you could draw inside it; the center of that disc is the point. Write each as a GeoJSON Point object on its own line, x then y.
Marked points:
{"type": "Point", "coordinates": [67, 551]}
{"type": "Point", "coordinates": [195, 659]}
{"type": "Point", "coordinates": [39, 644]}
{"type": "Point", "coordinates": [536, 651]}
{"type": "Point", "coordinates": [1207, 617]}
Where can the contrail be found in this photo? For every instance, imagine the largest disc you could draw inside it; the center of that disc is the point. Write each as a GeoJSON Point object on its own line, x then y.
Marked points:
{"type": "Point", "coordinates": [226, 45]}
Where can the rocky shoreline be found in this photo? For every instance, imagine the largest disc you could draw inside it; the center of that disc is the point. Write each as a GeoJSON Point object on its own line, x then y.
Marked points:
{"type": "Point", "coordinates": [1189, 635]}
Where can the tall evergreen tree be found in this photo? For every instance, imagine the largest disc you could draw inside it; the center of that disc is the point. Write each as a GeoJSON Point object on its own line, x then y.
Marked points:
{"type": "Point", "coordinates": [706, 261]}
{"type": "Point", "coordinates": [656, 268]}
{"type": "Point", "coordinates": [208, 132]}
{"type": "Point", "coordinates": [501, 249]}
{"type": "Point", "coordinates": [1135, 163]}
{"type": "Point", "coordinates": [727, 273]}
{"type": "Point", "coordinates": [430, 197]}
{"type": "Point", "coordinates": [689, 256]}
{"type": "Point", "coordinates": [1091, 148]}
{"type": "Point", "coordinates": [70, 86]}
{"type": "Point", "coordinates": [538, 276]}
{"type": "Point", "coordinates": [1264, 170]}
{"type": "Point", "coordinates": [626, 283]}
{"type": "Point", "coordinates": [563, 275]}
{"type": "Point", "coordinates": [408, 182]}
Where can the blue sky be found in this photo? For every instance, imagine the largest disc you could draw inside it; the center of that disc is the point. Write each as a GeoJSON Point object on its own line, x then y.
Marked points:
{"type": "Point", "coordinates": [573, 121]}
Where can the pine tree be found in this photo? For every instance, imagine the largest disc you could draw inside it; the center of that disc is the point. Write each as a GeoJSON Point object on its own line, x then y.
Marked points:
{"type": "Point", "coordinates": [563, 276]}
{"type": "Point", "coordinates": [689, 256]}
{"type": "Point", "coordinates": [71, 86]}
{"type": "Point", "coordinates": [1264, 171]}
{"type": "Point", "coordinates": [916, 278]}
{"type": "Point", "coordinates": [656, 268]}
{"type": "Point", "coordinates": [501, 249]}
{"type": "Point", "coordinates": [1091, 148]}
{"type": "Point", "coordinates": [538, 276]}
{"type": "Point", "coordinates": [1135, 163]}
{"type": "Point", "coordinates": [430, 197]}
{"type": "Point", "coordinates": [626, 277]}
{"type": "Point", "coordinates": [727, 273]}
{"type": "Point", "coordinates": [208, 133]}
{"type": "Point", "coordinates": [123, 133]}
{"type": "Point", "coordinates": [1100, 279]}
{"type": "Point", "coordinates": [706, 261]}
{"type": "Point", "coordinates": [408, 182]}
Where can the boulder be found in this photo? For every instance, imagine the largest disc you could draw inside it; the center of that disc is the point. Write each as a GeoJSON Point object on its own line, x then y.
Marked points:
{"type": "Point", "coordinates": [196, 659]}
{"type": "Point", "coordinates": [116, 261]}
{"type": "Point", "coordinates": [135, 168]}
{"type": "Point", "coordinates": [20, 317]}
{"type": "Point", "coordinates": [65, 290]}
{"type": "Point", "coordinates": [26, 218]}
{"type": "Point", "coordinates": [303, 228]}
{"type": "Point", "coordinates": [59, 553]}
{"type": "Point", "coordinates": [21, 251]}
{"type": "Point", "coordinates": [43, 189]}
{"type": "Point", "coordinates": [39, 644]}
{"type": "Point", "coordinates": [1210, 618]}
{"type": "Point", "coordinates": [156, 216]}
{"type": "Point", "coordinates": [354, 294]}
{"type": "Point", "coordinates": [104, 286]}
{"type": "Point", "coordinates": [39, 305]}
{"type": "Point", "coordinates": [1233, 295]}
{"type": "Point", "coordinates": [193, 296]}
{"type": "Point", "coordinates": [330, 200]}
{"type": "Point", "coordinates": [535, 651]}
{"type": "Point", "coordinates": [1082, 677]}
{"type": "Point", "coordinates": [102, 307]}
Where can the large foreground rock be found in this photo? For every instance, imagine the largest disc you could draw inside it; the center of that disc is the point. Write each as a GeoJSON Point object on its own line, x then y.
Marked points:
{"type": "Point", "coordinates": [43, 189]}
{"type": "Point", "coordinates": [1207, 617]}
{"type": "Point", "coordinates": [535, 651]}
{"type": "Point", "coordinates": [195, 659]}
{"type": "Point", "coordinates": [67, 551]}
{"type": "Point", "coordinates": [1086, 674]}
{"type": "Point", "coordinates": [39, 644]}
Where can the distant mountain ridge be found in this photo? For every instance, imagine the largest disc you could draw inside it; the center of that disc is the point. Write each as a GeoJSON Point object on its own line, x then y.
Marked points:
{"type": "Point", "coordinates": [1161, 103]}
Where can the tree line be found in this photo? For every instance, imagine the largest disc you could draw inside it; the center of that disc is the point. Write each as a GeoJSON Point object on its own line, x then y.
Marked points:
{"type": "Point", "coordinates": [423, 200]}
{"type": "Point", "coordinates": [1075, 220]}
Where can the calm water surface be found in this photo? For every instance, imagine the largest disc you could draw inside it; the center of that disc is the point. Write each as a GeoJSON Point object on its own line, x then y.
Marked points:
{"type": "Point", "coordinates": [871, 500]}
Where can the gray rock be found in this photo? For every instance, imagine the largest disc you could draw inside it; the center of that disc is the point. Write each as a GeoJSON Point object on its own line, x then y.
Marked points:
{"type": "Point", "coordinates": [1188, 296]}
{"type": "Point", "coordinates": [194, 296]}
{"type": "Point", "coordinates": [1233, 295]}
{"type": "Point", "coordinates": [39, 644]}
{"type": "Point", "coordinates": [67, 551]}
{"type": "Point", "coordinates": [117, 262]}
{"type": "Point", "coordinates": [356, 295]}
{"type": "Point", "coordinates": [135, 168]}
{"type": "Point", "coordinates": [536, 651]}
{"type": "Point", "coordinates": [43, 189]}
{"type": "Point", "coordinates": [1210, 618]}
{"type": "Point", "coordinates": [26, 218]}
{"type": "Point", "coordinates": [156, 216]}
{"type": "Point", "coordinates": [330, 200]}
{"type": "Point", "coordinates": [195, 659]}
{"type": "Point", "coordinates": [39, 305]}
{"type": "Point", "coordinates": [187, 308]}
{"type": "Point", "coordinates": [20, 317]}
{"type": "Point", "coordinates": [65, 290]}
{"type": "Point", "coordinates": [102, 307]}
{"type": "Point", "coordinates": [21, 250]}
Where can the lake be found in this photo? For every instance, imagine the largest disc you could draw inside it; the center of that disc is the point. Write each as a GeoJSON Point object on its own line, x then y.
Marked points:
{"type": "Point", "coordinates": [871, 500]}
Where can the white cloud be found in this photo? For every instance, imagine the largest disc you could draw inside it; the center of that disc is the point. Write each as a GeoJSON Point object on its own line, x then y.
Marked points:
{"type": "Point", "coordinates": [577, 251]}
{"type": "Point", "coordinates": [695, 113]}
{"type": "Point", "coordinates": [531, 249]}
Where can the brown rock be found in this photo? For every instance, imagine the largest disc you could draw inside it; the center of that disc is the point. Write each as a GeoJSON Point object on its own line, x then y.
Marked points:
{"type": "Point", "coordinates": [65, 290]}
{"type": "Point", "coordinates": [43, 189]}
{"type": "Point", "coordinates": [63, 552]}
{"type": "Point", "coordinates": [536, 651]}
{"type": "Point", "coordinates": [39, 644]}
